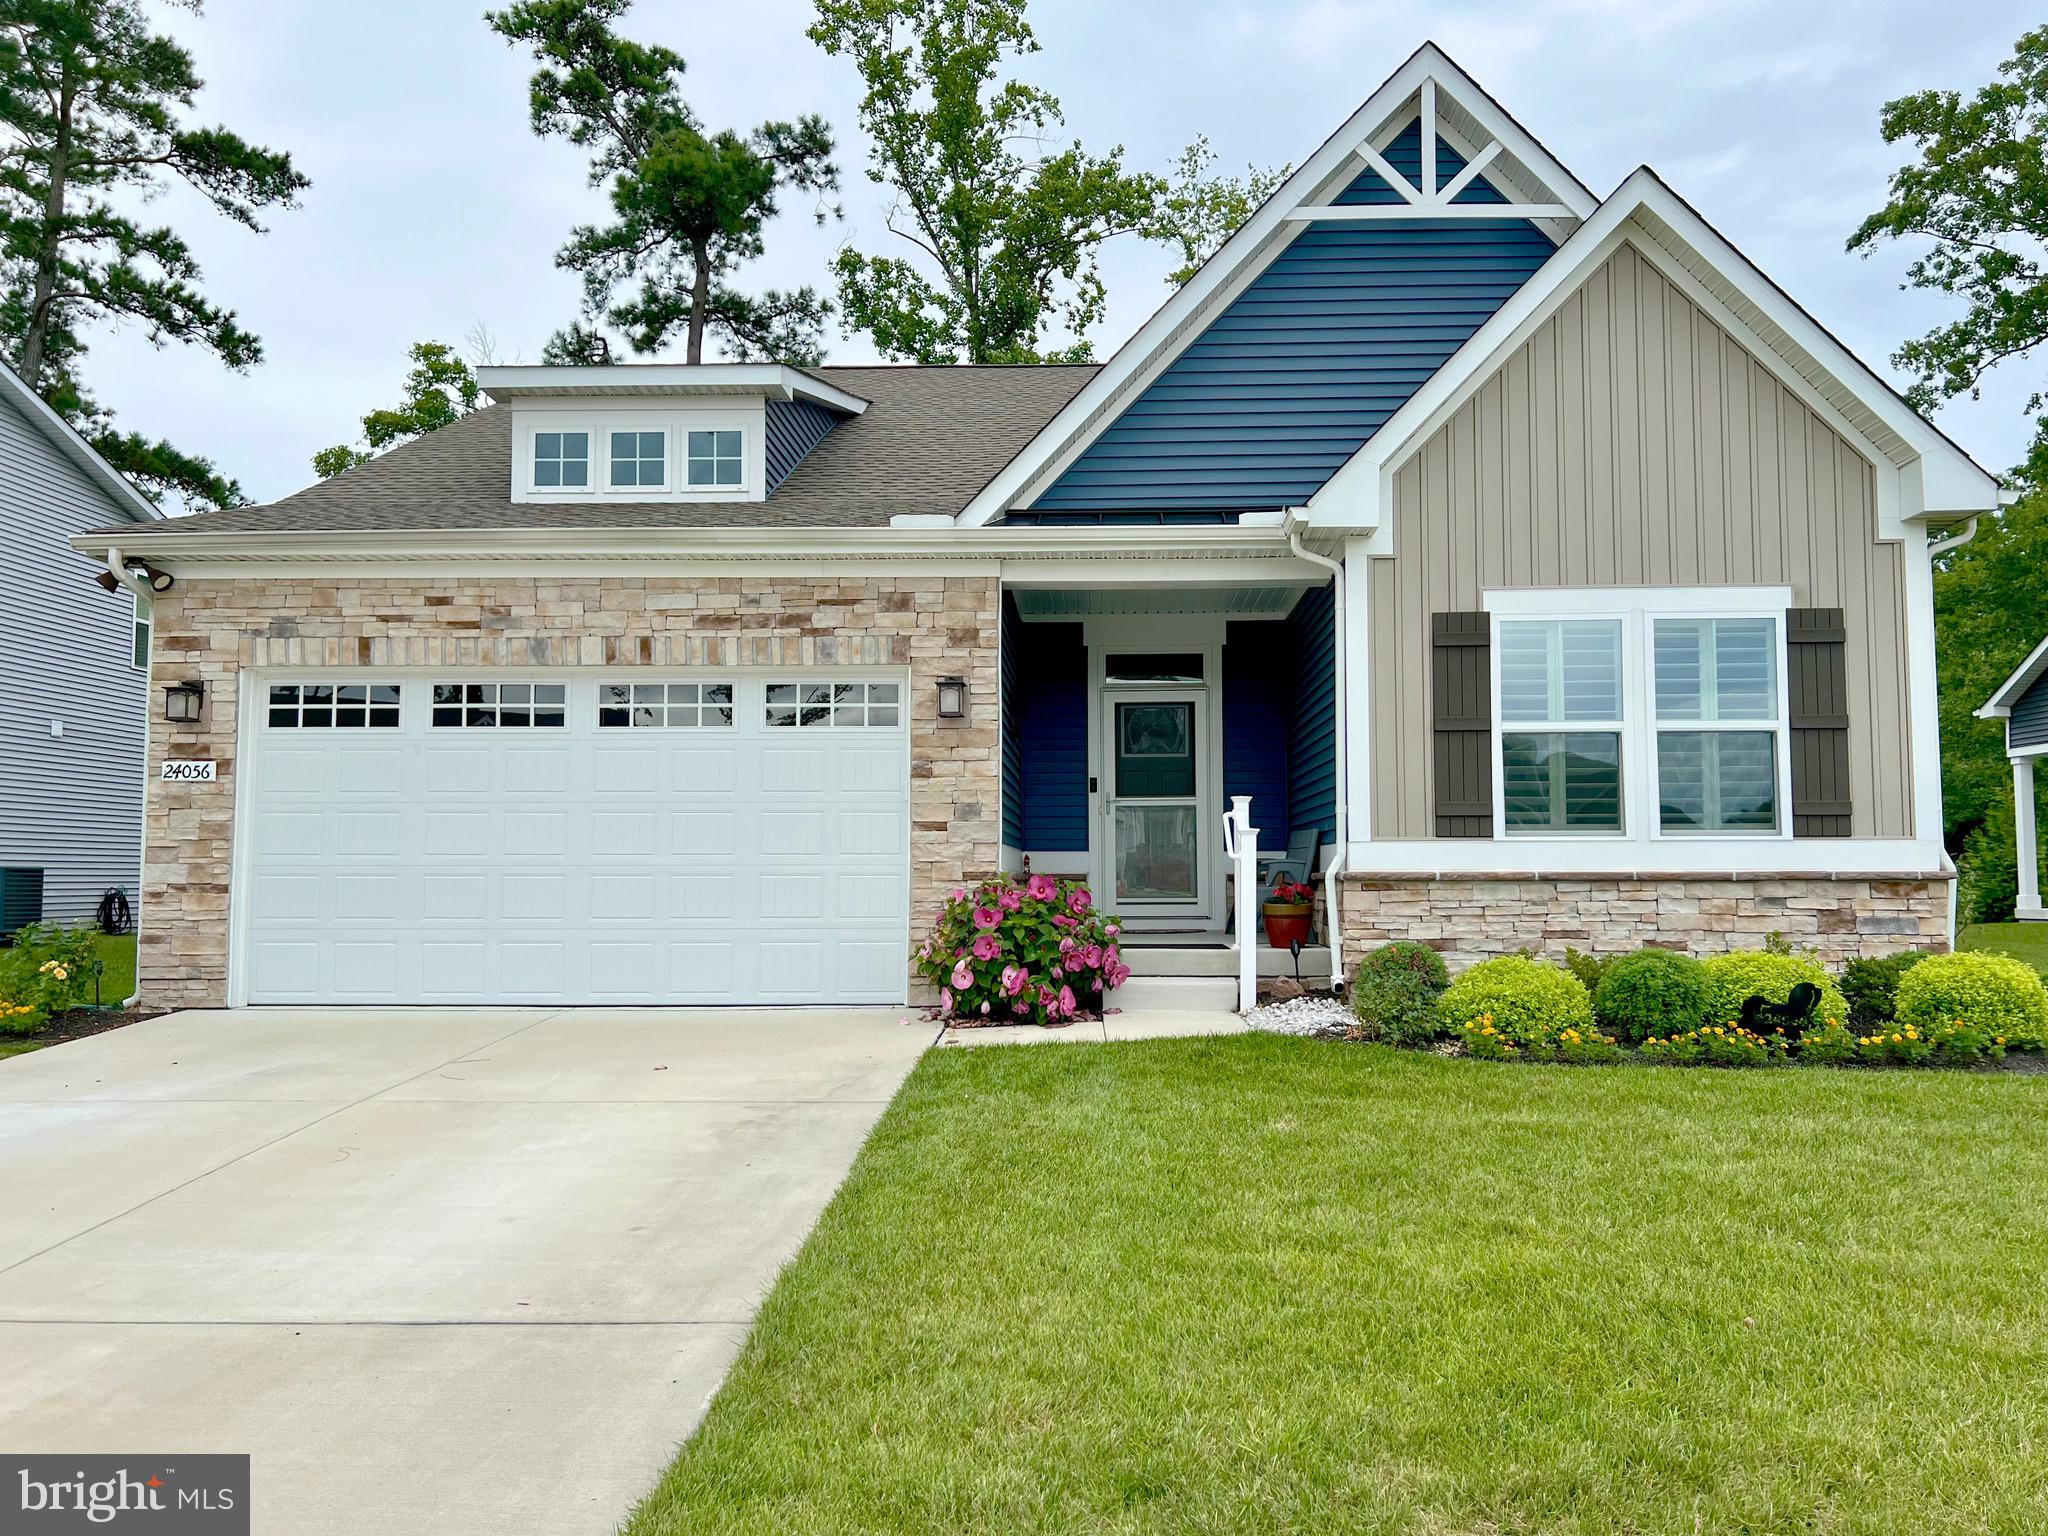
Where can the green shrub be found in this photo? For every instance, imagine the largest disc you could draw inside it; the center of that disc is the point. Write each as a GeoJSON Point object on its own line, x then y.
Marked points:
{"type": "Point", "coordinates": [1588, 968]}
{"type": "Point", "coordinates": [1394, 993]}
{"type": "Point", "coordinates": [1652, 992]}
{"type": "Point", "coordinates": [1733, 979]}
{"type": "Point", "coordinates": [1996, 994]}
{"type": "Point", "coordinates": [1871, 987]}
{"type": "Point", "coordinates": [1528, 1003]}
{"type": "Point", "coordinates": [46, 970]}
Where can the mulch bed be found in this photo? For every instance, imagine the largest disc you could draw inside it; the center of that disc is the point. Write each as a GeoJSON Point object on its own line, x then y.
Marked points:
{"type": "Point", "coordinates": [82, 1022]}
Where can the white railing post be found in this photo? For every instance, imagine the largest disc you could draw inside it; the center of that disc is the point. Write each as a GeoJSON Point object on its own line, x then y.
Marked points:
{"type": "Point", "coordinates": [1241, 843]}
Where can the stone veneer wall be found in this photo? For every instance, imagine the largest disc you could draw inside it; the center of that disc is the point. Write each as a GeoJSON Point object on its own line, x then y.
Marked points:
{"type": "Point", "coordinates": [1475, 917]}
{"type": "Point", "coordinates": [209, 630]}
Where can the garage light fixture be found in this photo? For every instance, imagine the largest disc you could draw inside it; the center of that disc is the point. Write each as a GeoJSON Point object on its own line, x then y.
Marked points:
{"type": "Point", "coordinates": [182, 701]}
{"type": "Point", "coordinates": [952, 698]}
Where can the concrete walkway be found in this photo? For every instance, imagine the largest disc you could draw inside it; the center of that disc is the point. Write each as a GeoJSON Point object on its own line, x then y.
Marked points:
{"type": "Point", "coordinates": [438, 1271]}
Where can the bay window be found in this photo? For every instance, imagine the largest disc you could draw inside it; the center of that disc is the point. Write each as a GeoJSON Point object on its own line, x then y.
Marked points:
{"type": "Point", "coordinates": [1640, 713]}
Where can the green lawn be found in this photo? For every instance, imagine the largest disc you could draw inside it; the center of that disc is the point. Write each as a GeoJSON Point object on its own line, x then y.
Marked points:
{"type": "Point", "coordinates": [117, 984]}
{"type": "Point", "coordinates": [1272, 1285]}
{"type": "Point", "coordinates": [2024, 941]}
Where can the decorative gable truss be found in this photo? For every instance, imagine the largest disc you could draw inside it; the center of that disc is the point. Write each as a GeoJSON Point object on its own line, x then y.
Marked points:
{"type": "Point", "coordinates": [1487, 167]}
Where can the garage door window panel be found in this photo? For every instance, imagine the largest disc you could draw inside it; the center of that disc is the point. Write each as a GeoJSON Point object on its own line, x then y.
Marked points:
{"type": "Point", "coordinates": [800, 705]}
{"type": "Point", "coordinates": [664, 706]}
{"type": "Point", "coordinates": [333, 706]}
{"type": "Point", "coordinates": [491, 706]}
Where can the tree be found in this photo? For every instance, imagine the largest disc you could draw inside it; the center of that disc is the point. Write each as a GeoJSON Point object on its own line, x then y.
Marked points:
{"type": "Point", "coordinates": [90, 105]}
{"type": "Point", "coordinates": [1979, 191]}
{"type": "Point", "coordinates": [1198, 212]}
{"type": "Point", "coordinates": [689, 207]}
{"type": "Point", "coordinates": [441, 387]}
{"type": "Point", "coordinates": [1008, 228]}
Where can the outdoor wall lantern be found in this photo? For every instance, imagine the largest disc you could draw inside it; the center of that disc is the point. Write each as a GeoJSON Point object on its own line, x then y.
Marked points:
{"type": "Point", "coordinates": [952, 698]}
{"type": "Point", "coordinates": [182, 701]}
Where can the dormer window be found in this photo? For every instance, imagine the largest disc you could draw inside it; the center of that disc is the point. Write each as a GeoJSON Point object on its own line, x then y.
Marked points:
{"type": "Point", "coordinates": [715, 459]}
{"type": "Point", "coordinates": [639, 460]}
{"type": "Point", "coordinates": [561, 460]}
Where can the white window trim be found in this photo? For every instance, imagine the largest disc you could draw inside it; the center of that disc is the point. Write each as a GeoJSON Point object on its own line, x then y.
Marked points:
{"type": "Point", "coordinates": [1624, 644]}
{"type": "Point", "coordinates": [141, 633]}
{"type": "Point", "coordinates": [668, 458]}
{"type": "Point", "coordinates": [1638, 609]}
{"type": "Point", "coordinates": [600, 419]}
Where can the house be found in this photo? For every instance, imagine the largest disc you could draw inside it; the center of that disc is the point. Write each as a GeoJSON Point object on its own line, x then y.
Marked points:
{"type": "Point", "coordinates": [74, 657]}
{"type": "Point", "coordinates": [2022, 703]}
{"type": "Point", "coordinates": [1531, 551]}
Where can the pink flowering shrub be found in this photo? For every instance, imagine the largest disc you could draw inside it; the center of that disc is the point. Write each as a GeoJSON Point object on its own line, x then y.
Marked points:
{"type": "Point", "coordinates": [1018, 949]}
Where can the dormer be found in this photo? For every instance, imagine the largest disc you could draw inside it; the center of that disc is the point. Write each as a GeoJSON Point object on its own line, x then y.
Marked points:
{"type": "Point", "coordinates": [708, 432]}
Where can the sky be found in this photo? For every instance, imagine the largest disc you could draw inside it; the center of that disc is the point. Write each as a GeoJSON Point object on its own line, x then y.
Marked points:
{"type": "Point", "coordinates": [435, 214]}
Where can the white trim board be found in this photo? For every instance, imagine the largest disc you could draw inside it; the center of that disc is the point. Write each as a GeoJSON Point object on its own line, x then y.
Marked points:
{"type": "Point", "coordinates": [1252, 247]}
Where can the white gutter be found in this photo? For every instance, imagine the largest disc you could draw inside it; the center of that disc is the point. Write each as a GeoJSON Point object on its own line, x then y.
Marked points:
{"type": "Point", "coordinates": [1293, 525]}
{"type": "Point", "coordinates": [1955, 541]}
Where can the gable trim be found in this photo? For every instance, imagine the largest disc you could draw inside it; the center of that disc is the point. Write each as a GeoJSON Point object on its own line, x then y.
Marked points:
{"type": "Point", "coordinates": [1933, 475]}
{"type": "Point", "coordinates": [2029, 672]}
{"type": "Point", "coordinates": [1224, 275]}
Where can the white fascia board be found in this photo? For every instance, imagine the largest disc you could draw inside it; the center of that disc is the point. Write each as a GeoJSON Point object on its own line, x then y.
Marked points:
{"type": "Point", "coordinates": [62, 436]}
{"type": "Point", "coordinates": [172, 550]}
{"type": "Point", "coordinates": [1946, 480]}
{"type": "Point", "coordinates": [2024, 677]}
{"type": "Point", "coordinates": [776, 380]}
{"type": "Point", "coordinates": [1184, 315]}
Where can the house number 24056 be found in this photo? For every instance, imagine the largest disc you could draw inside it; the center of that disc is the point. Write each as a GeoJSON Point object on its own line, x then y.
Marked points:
{"type": "Point", "coordinates": [187, 772]}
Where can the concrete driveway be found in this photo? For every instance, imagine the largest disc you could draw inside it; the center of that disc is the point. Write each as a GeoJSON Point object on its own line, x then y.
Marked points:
{"type": "Point", "coordinates": [437, 1271]}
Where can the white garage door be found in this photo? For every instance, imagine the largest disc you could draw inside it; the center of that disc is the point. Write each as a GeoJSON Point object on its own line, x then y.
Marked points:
{"type": "Point", "coordinates": [504, 838]}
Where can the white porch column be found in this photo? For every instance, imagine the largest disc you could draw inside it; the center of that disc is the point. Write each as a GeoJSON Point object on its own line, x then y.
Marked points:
{"type": "Point", "coordinates": [2024, 833]}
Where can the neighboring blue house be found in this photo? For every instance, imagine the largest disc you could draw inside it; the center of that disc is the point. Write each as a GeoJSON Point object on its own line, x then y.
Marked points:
{"type": "Point", "coordinates": [74, 675]}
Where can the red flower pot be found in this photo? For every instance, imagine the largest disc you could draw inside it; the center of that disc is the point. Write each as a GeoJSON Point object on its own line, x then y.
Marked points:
{"type": "Point", "coordinates": [1287, 922]}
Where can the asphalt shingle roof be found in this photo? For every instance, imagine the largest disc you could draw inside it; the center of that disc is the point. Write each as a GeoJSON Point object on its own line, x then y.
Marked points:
{"type": "Point", "coordinates": [930, 438]}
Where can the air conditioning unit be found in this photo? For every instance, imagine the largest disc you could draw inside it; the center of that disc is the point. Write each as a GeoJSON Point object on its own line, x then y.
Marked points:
{"type": "Point", "coordinates": [21, 900]}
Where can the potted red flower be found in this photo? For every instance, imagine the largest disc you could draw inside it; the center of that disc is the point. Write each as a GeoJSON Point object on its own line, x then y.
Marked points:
{"type": "Point", "coordinates": [1289, 911]}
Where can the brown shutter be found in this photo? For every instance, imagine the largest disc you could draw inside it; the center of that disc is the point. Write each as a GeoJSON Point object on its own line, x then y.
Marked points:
{"type": "Point", "coordinates": [1461, 720]}
{"type": "Point", "coordinates": [1816, 646]}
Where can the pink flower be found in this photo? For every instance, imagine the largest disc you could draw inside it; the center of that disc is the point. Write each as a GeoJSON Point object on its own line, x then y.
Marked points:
{"type": "Point", "coordinates": [945, 1001]}
{"type": "Point", "coordinates": [1110, 958]}
{"type": "Point", "coordinates": [1111, 930]}
{"type": "Point", "coordinates": [1067, 945]}
{"type": "Point", "coordinates": [1116, 975]}
{"type": "Point", "coordinates": [986, 917]}
{"type": "Point", "coordinates": [1061, 920]}
{"type": "Point", "coordinates": [1080, 901]}
{"type": "Point", "coordinates": [963, 976]}
{"type": "Point", "coordinates": [959, 893]}
{"type": "Point", "coordinates": [1046, 998]}
{"type": "Point", "coordinates": [1041, 888]}
{"type": "Point", "coordinates": [1011, 899]}
{"type": "Point", "coordinates": [1015, 980]}
{"type": "Point", "coordinates": [1088, 956]}
{"type": "Point", "coordinates": [1057, 973]}
{"type": "Point", "coordinates": [984, 1010]}
{"type": "Point", "coordinates": [1066, 1002]}
{"type": "Point", "coordinates": [987, 947]}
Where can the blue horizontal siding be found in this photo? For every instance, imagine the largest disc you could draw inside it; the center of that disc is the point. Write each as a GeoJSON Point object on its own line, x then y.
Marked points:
{"type": "Point", "coordinates": [1045, 734]}
{"type": "Point", "coordinates": [794, 428]}
{"type": "Point", "coordinates": [1312, 736]}
{"type": "Point", "coordinates": [1258, 670]}
{"type": "Point", "coordinates": [2028, 726]}
{"type": "Point", "coordinates": [1310, 360]}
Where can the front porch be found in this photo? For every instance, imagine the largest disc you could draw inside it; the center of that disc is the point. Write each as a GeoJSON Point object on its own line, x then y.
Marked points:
{"type": "Point", "coordinates": [1131, 715]}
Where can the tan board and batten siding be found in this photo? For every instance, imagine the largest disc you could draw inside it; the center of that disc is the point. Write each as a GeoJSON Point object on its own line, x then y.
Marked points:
{"type": "Point", "coordinates": [1719, 476]}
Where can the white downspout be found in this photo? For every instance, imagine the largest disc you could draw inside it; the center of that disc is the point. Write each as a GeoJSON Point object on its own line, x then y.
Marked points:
{"type": "Point", "coordinates": [1294, 524]}
{"type": "Point", "coordinates": [119, 571]}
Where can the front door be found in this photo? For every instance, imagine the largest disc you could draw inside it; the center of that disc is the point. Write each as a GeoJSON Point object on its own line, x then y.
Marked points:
{"type": "Point", "coordinates": [1157, 855]}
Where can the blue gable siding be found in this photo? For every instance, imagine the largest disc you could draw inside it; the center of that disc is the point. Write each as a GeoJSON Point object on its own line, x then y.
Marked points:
{"type": "Point", "coordinates": [1258, 666]}
{"type": "Point", "coordinates": [1309, 361]}
{"type": "Point", "coordinates": [1045, 735]}
{"type": "Point", "coordinates": [2028, 726]}
{"type": "Point", "coordinates": [794, 428]}
{"type": "Point", "coordinates": [1312, 738]}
